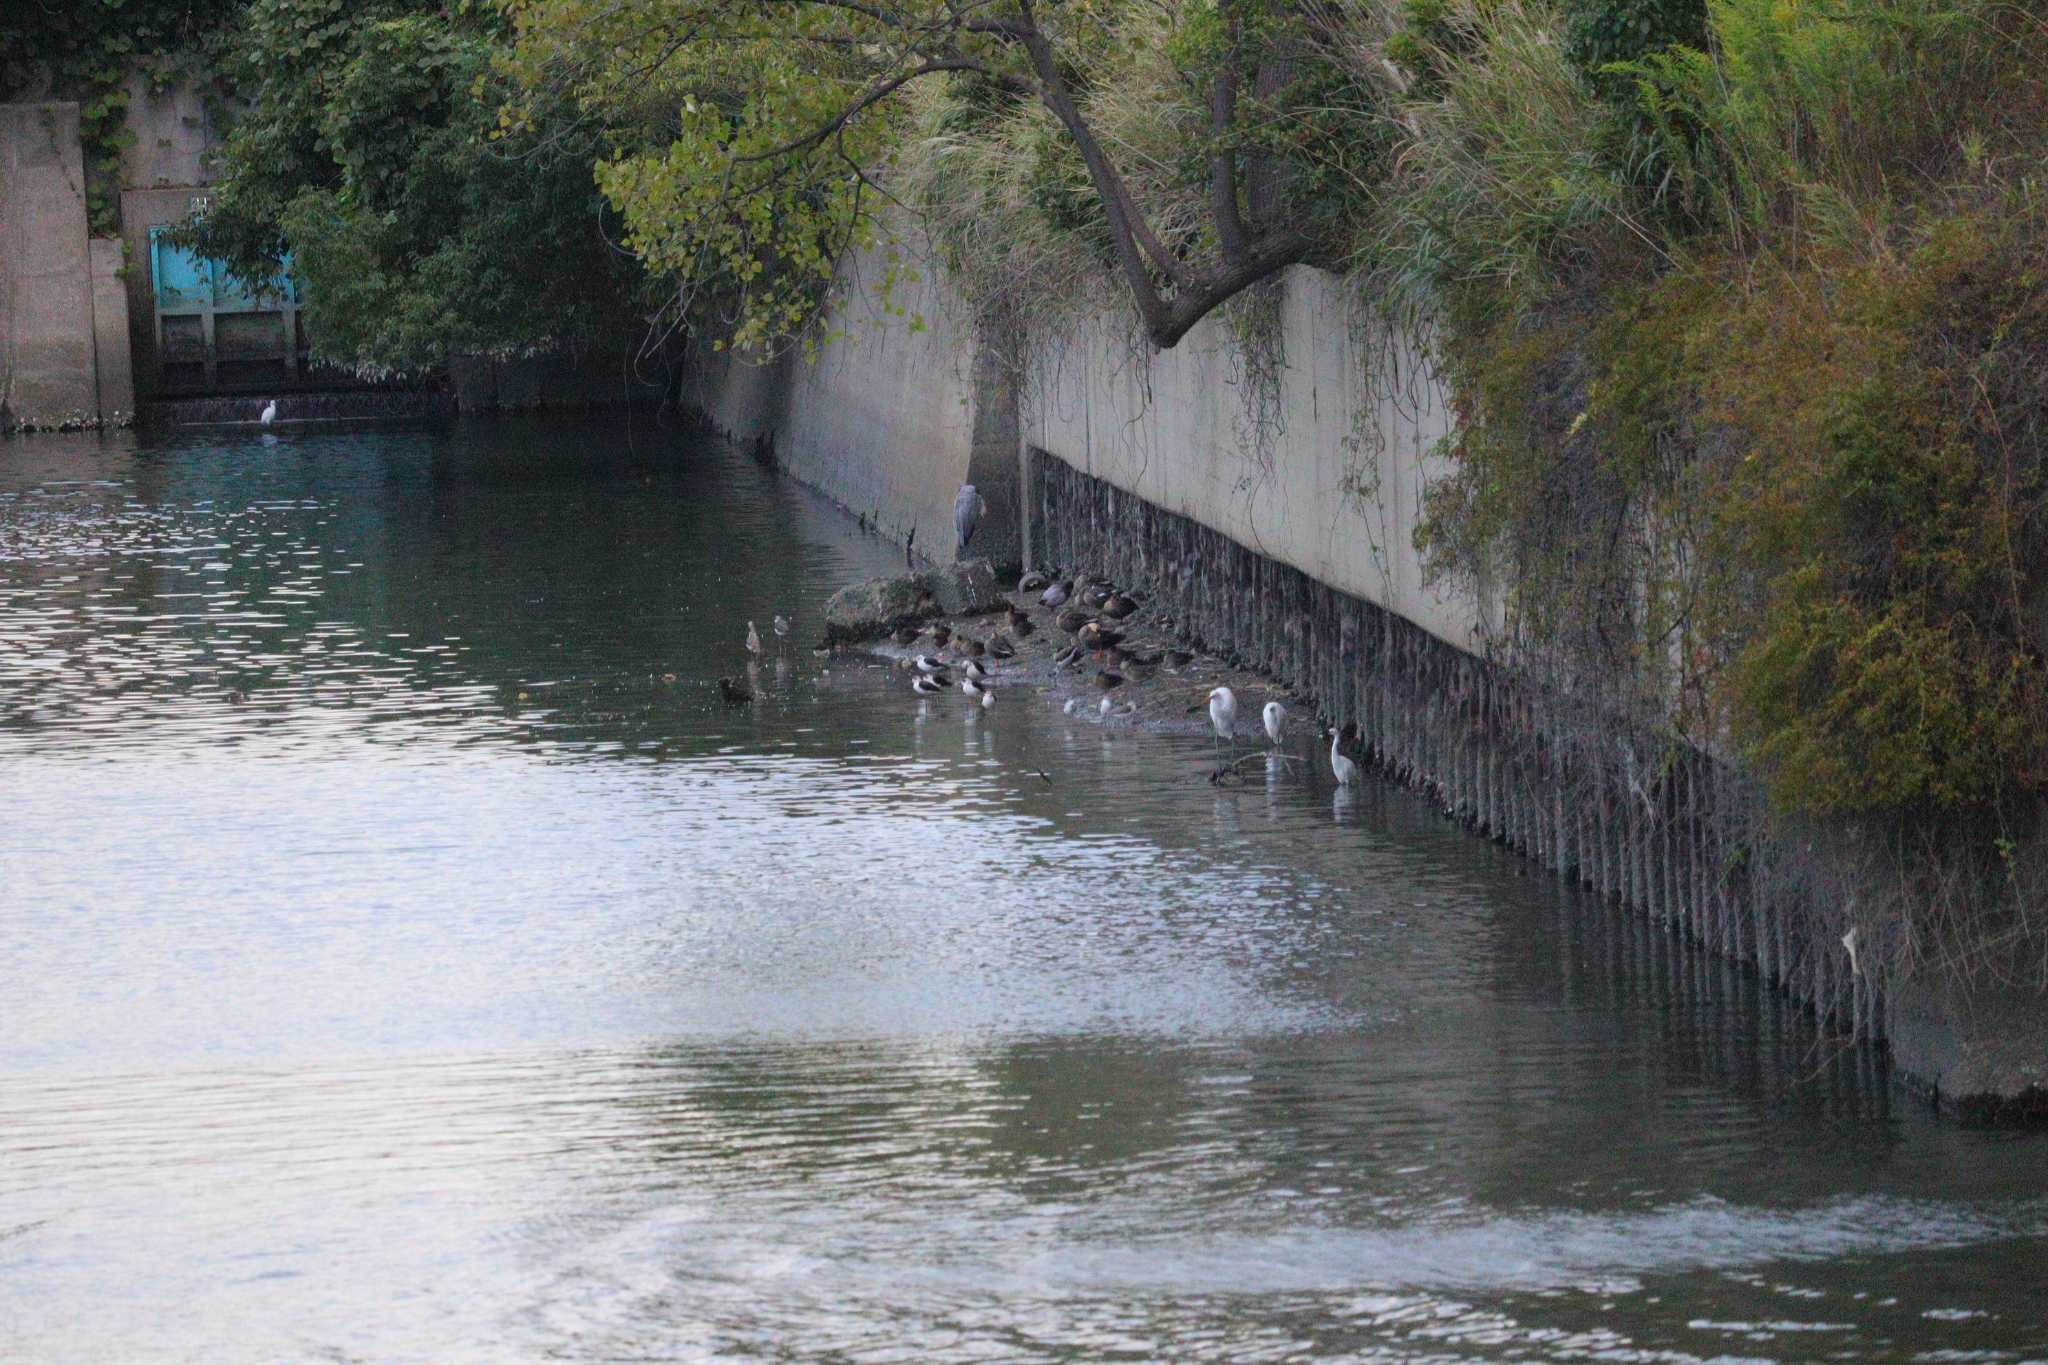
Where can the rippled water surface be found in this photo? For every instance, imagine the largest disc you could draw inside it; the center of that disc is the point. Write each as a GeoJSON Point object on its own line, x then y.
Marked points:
{"type": "Point", "coordinates": [404, 956]}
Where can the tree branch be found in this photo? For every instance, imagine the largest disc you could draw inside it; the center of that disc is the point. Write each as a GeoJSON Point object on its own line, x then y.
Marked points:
{"type": "Point", "coordinates": [874, 94]}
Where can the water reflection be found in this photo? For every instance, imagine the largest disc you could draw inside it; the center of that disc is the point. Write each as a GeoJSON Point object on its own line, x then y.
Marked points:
{"type": "Point", "coordinates": [406, 955]}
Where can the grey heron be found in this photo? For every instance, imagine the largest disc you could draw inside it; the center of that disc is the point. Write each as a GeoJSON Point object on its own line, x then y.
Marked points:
{"type": "Point", "coordinates": [968, 510]}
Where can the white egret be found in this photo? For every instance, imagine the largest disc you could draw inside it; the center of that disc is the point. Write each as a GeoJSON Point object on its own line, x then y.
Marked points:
{"type": "Point", "coordinates": [1275, 716]}
{"type": "Point", "coordinates": [1340, 763]}
{"type": "Point", "coordinates": [753, 640]}
{"type": "Point", "coordinates": [269, 413]}
{"type": "Point", "coordinates": [1223, 714]}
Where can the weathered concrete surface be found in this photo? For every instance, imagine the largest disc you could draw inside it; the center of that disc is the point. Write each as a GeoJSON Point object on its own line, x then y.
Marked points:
{"type": "Point", "coordinates": [1325, 474]}
{"type": "Point", "coordinates": [1983, 1050]}
{"type": "Point", "coordinates": [111, 352]}
{"type": "Point", "coordinates": [873, 607]}
{"type": "Point", "coordinates": [175, 132]}
{"type": "Point", "coordinates": [47, 355]}
{"type": "Point", "coordinates": [884, 420]}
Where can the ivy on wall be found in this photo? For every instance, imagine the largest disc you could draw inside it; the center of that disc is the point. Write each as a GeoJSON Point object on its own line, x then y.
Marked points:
{"type": "Point", "coordinates": [84, 50]}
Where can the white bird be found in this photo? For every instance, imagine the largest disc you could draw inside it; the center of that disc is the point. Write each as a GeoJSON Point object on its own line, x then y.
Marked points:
{"type": "Point", "coordinates": [968, 510]}
{"type": "Point", "coordinates": [988, 697]}
{"type": "Point", "coordinates": [1276, 716]}
{"type": "Point", "coordinates": [925, 663]}
{"type": "Point", "coordinates": [1070, 707]}
{"type": "Point", "coordinates": [973, 688]}
{"type": "Point", "coordinates": [1342, 766]}
{"type": "Point", "coordinates": [269, 413]}
{"type": "Point", "coordinates": [753, 639]}
{"type": "Point", "coordinates": [1223, 714]}
{"type": "Point", "coordinates": [1849, 942]}
{"type": "Point", "coordinates": [976, 668]}
{"type": "Point", "coordinates": [1104, 708]}
{"type": "Point", "coordinates": [924, 686]}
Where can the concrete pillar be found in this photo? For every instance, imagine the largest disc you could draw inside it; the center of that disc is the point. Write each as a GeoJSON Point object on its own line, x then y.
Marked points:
{"type": "Point", "coordinates": [47, 372]}
{"type": "Point", "coordinates": [114, 365]}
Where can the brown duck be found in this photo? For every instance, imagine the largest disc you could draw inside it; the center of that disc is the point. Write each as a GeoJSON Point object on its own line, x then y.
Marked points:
{"type": "Point", "coordinates": [1095, 637]}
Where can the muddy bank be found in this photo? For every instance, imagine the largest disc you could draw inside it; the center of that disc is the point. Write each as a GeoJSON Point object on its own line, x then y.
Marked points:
{"type": "Point", "coordinates": [1149, 678]}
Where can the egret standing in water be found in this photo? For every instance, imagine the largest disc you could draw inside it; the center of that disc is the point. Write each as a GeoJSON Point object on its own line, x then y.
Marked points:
{"type": "Point", "coordinates": [1340, 763]}
{"type": "Point", "coordinates": [753, 640]}
{"type": "Point", "coordinates": [269, 413]}
{"type": "Point", "coordinates": [1275, 716]}
{"type": "Point", "coordinates": [1223, 715]}
{"type": "Point", "coordinates": [968, 510]}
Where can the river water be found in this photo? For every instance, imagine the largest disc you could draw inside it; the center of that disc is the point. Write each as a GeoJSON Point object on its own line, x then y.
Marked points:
{"type": "Point", "coordinates": [404, 956]}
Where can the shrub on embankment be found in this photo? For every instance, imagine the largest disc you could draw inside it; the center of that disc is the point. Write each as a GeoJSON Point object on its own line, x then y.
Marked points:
{"type": "Point", "coordinates": [1749, 367]}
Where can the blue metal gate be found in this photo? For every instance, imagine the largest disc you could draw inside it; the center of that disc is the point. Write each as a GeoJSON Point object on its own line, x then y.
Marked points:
{"type": "Point", "coordinates": [215, 334]}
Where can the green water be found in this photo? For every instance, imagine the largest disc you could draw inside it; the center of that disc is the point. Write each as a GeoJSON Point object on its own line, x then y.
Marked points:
{"type": "Point", "coordinates": [404, 956]}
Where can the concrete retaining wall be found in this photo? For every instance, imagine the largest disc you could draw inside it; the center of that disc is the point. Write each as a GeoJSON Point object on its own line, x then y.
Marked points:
{"type": "Point", "coordinates": [1276, 524]}
{"type": "Point", "coordinates": [1322, 470]}
{"type": "Point", "coordinates": [884, 420]}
